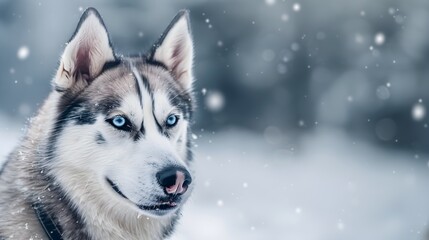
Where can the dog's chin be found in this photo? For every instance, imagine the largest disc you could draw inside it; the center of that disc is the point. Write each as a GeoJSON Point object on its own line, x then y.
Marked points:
{"type": "Point", "coordinates": [160, 208]}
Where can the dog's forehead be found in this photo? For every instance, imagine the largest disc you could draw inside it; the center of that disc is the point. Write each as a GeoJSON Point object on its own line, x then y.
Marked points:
{"type": "Point", "coordinates": [157, 76]}
{"type": "Point", "coordinates": [122, 87]}
{"type": "Point", "coordinates": [121, 80]}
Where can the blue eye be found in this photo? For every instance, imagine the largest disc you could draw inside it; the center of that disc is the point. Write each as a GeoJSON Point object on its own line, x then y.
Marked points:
{"type": "Point", "coordinates": [172, 120]}
{"type": "Point", "coordinates": [118, 121]}
{"type": "Point", "coordinates": [121, 123]}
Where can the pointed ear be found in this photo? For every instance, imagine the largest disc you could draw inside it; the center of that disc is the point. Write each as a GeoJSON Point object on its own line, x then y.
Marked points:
{"type": "Point", "coordinates": [176, 51]}
{"type": "Point", "coordinates": [86, 52]}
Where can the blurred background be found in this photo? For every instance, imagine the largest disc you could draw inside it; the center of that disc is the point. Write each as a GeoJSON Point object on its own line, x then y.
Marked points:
{"type": "Point", "coordinates": [311, 119]}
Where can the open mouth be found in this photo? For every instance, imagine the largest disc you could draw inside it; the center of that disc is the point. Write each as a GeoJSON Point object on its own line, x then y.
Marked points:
{"type": "Point", "coordinates": [164, 205]}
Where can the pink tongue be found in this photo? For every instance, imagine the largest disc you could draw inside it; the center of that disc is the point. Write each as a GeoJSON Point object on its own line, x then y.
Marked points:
{"type": "Point", "coordinates": [178, 185]}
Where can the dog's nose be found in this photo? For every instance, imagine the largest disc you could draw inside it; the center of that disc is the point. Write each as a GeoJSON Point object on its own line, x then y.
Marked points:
{"type": "Point", "coordinates": [174, 180]}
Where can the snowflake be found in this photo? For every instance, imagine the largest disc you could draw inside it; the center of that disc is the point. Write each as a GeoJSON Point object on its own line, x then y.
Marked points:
{"type": "Point", "coordinates": [418, 111]}
{"type": "Point", "coordinates": [296, 7]}
{"type": "Point", "coordinates": [23, 52]}
{"type": "Point", "coordinates": [215, 101]}
{"type": "Point", "coordinates": [379, 38]}
{"type": "Point", "coordinates": [270, 2]}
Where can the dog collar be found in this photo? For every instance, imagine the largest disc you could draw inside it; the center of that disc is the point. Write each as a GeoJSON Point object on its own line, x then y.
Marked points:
{"type": "Point", "coordinates": [48, 224]}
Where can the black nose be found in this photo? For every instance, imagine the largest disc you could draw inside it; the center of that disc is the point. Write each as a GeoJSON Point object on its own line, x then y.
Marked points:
{"type": "Point", "coordinates": [174, 180]}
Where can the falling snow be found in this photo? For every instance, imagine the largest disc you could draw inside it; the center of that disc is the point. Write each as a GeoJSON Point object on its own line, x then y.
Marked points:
{"type": "Point", "coordinates": [296, 7]}
{"type": "Point", "coordinates": [379, 39]}
{"type": "Point", "coordinates": [418, 112]}
{"type": "Point", "coordinates": [270, 2]}
{"type": "Point", "coordinates": [215, 101]}
{"type": "Point", "coordinates": [23, 52]}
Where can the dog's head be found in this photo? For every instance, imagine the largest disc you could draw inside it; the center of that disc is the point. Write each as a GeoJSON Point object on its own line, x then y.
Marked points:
{"type": "Point", "coordinates": [122, 127]}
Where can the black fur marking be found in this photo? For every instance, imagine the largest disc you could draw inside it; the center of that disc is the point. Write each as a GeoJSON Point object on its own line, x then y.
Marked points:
{"type": "Point", "coordinates": [167, 134]}
{"type": "Point", "coordinates": [99, 139]}
{"type": "Point", "coordinates": [183, 102]}
{"type": "Point", "coordinates": [146, 83]}
{"type": "Point", "coordinates": [159, 126]}
{"type": "Point", "coordinates": [147, 86]}
{"type": "Point", "coordinates": [61, 121]}
{"type": "Point", "coordinates": [84, 117]}
{"type": "Point", "coordinates": [155, 63]}
{"type": "Point", "coordinates": [115, 188]}
{"type": "Point", "coordinates": [59, 89]}
{"type": "Point", "coordinates": [78, 112]}
{"type": "Point", "coordinates": [107, 105]}
{"type": "Point", "coordinates": [137, 136]}
{"type": "Point", "coordinates": [143, 130]}
{"type": "Point", "coordinates": [138, 91]}
{"type": "Point", "coordinates": [109, 65]}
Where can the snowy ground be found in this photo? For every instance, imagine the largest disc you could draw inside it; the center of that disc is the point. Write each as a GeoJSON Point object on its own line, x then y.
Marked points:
{"type": "Point", "coordinates": [331, 188]}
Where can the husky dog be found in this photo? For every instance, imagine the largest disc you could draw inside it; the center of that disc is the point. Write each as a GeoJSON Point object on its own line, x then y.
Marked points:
{"type": "Point", "coordinates": [107, 156]}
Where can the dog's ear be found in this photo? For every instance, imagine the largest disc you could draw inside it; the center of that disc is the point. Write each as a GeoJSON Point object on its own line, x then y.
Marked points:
{"type": "Point", "coordinates": [175, 49]}
{"type": "Point", "coordinates": [86, 53]}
